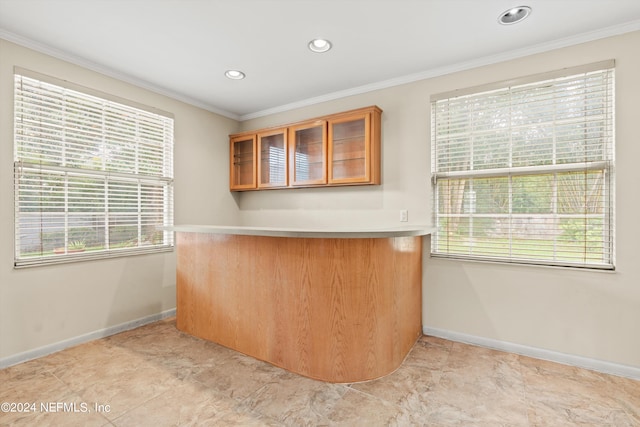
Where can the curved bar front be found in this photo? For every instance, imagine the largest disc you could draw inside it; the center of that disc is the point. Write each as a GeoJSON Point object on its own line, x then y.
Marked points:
{"type": "Point", "coordinates": [337, 309]}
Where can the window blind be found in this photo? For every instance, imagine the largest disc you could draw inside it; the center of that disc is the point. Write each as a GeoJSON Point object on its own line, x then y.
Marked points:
{"type": "Point", "coordinates": [93, 177]}
{"type": "Point", "coordinates": [524, 172]}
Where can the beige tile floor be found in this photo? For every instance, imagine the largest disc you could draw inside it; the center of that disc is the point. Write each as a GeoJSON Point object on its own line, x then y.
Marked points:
{"type": "Point", "coordinates": [157, 376]}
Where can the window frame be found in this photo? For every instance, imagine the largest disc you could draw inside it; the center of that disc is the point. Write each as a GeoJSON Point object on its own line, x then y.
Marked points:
{"type": "Point", "coordinates": [606, 165]}
{"type": "Point", "coordinates": [145, 191]}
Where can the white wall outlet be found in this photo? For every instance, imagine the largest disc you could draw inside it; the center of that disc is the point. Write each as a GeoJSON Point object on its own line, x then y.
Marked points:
{"type": "Point", "coordinates": [404, 215]}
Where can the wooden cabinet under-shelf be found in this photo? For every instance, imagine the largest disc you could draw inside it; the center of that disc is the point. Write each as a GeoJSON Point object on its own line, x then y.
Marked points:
{"type": "Point", "coordinates": [339, 149]}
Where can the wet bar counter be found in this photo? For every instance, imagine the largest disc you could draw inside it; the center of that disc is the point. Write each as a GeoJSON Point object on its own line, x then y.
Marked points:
{"type": "Point", "coordinates": [335, 305]}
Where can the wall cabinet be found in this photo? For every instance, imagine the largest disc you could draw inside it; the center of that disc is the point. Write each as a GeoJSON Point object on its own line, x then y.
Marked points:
{"type": "Point", "coordinates": [354, 148]}
{"type": "Point", "coordinates": [272, 159]}
{"type": "Point", "coordinates": [242, 162]}
{"type": "Point", "coordinates": [340, 149]}
{"type": "Point", "coordinates": [308, 154]}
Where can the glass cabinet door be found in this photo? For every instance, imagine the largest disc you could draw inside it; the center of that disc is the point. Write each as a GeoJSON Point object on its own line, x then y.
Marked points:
{"type": "Point", "coordinates": [272, 159]}
{"type": "Point", "coordinates": [349, 149]}
{"type": "Point", "coordinates": [308, 154]}
{"type": "Point", "coordinates": [243, 159]}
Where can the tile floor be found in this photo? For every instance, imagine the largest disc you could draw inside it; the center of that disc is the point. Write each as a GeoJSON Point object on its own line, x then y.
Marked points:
{"type": "Point", "coordinates": [157, 376]}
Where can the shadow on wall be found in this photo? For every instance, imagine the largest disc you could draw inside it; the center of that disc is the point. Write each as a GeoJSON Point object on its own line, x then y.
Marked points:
{"type": "Point", "coordinates": [49, 308]}
{"type": "Point", "coordinates": [145, 286]}
{"type": "Point", "coordinates": [309, 207]}
{"type": "Point", "coordinates": [450, 299]}
{"type": "Point", "coordinates": [328, 198]}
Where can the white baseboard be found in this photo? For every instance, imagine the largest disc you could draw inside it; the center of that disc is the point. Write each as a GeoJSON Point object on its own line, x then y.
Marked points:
{"type": "Point", "coordinates": [538, 353]}
{"type": "Point", "coordinates": [102, 333]}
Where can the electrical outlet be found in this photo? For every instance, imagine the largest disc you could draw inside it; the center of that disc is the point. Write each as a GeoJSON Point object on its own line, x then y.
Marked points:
{"type": "Point", "coordinates": [404, 215]}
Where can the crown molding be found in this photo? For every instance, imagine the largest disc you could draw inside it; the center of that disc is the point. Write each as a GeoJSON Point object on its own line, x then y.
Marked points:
{"type": "Point", "coordinates": [449, 69]}
{"type": "Point", "coordinates": [435, 72]}
{"type": "Point", "coordinates": [99, 68]}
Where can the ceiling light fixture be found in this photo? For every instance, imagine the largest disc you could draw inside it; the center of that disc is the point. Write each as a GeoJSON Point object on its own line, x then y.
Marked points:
{"type": "Point", "coordinates": [234, 74]}
{"type": "Point", "coordinates": [319, 45]}
{"type": "Point", "coordinates": [514, 15]}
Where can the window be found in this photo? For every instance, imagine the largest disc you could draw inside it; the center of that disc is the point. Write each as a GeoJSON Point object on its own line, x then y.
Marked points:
{"type": "Point", "coordinates": [93, 174]}
{"type": "Point", "coordinates": [523, 172]}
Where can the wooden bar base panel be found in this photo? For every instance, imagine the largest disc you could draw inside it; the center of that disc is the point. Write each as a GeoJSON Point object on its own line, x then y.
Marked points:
{"type": "Point", "coordinates": [334, 309]}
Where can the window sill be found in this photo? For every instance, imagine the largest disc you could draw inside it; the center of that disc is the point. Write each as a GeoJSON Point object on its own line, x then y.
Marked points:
{"type": "Point", "coordinates": [518, 263]}
{"type": "Point", "coordinates": [87, 256]}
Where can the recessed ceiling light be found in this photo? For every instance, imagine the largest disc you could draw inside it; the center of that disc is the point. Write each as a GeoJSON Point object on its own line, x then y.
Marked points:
{"type": "Point", "coordinates": [319, 45]}
{"type": "Point", "coordinates": [514, 15]}
{"type": "Point", "coordinates": [234, 74]}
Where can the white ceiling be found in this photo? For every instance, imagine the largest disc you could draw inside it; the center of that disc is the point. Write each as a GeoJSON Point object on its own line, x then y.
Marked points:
{"type": "Point", "coordinates": [183, 47]}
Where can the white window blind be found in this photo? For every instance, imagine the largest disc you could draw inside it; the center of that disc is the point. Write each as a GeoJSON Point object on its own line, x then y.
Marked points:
{"type": "Point", "coordinates": [93, 177]}
{"type": "Point", "coordinates": [524, 172]}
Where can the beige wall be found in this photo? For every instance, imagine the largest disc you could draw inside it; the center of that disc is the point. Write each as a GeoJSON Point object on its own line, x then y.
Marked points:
{"type": "Point", "coordinates": [590, 314]}
{"type": "Point", "coordinates": [405, 171]}
{"type": "Point", "coordinates": [42, 306]}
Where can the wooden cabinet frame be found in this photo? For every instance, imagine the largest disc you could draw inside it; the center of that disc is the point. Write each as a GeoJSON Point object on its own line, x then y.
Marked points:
{"type": "Point", "coordinates": [368, 155]}
{"type": "Point", "coordinates": [302, 181]}
{"type": "Point", "coordinates": [363, 154]}
{"type": "Point", "coordinates": [261, 164]}
{"type": "Point", "coordinates": [240, 162]}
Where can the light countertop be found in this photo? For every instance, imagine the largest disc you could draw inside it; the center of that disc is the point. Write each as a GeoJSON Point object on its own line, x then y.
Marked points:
{"type": "Point", "coordinates": [327, 232]}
